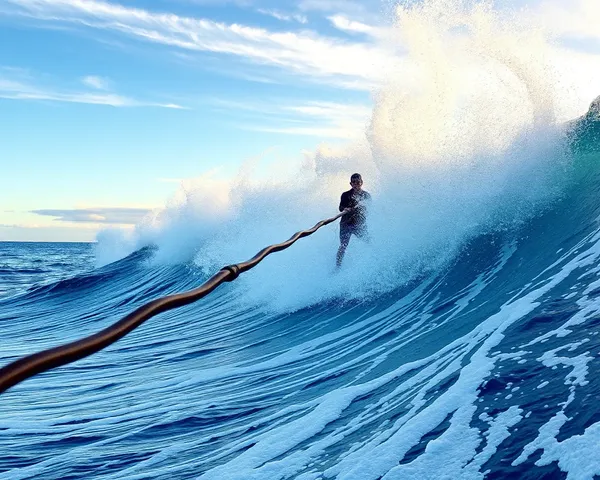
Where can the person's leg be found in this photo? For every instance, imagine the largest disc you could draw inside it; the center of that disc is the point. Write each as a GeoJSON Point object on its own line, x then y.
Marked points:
{"type": "Point", "coordinates": [345, 234]}
{"type": "Point", "coordinates": [340, 255]}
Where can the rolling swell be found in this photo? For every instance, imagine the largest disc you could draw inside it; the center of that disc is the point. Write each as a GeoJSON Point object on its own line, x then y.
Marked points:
{"type": "Point", "coordinates": [481, 365]}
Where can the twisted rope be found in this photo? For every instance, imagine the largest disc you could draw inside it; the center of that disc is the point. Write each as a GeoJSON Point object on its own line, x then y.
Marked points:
{"type": "Point", "coordinates": [31, 365]}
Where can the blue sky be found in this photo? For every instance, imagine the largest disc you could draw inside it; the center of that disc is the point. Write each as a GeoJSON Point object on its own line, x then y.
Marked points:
{"type": "Point", "coordinates": [106, 105]}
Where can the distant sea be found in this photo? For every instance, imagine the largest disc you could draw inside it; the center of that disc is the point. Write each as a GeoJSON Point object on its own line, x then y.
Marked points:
{"type": "Point", "coordinates": [27, 264]}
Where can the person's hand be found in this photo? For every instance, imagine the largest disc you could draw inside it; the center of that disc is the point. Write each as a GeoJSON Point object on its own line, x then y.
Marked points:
{"type": "Point", "coordinates": [347, 210]}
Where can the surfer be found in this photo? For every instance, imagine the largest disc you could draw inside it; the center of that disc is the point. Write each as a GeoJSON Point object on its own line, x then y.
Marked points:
{"type": "Point", "coordinates": [353, 222]}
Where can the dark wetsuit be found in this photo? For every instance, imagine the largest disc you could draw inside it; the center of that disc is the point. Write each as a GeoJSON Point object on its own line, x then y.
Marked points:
{"type": "Point", "coordinates": [354, 222]}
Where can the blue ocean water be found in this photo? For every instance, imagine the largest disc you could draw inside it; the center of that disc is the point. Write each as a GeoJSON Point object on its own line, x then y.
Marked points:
{"type": "Point", "coordinates": [485, 366]}
{"type": "Point", "coordinates": [461, 343]}
{"type": "Point", "coordinates": [27, 264]}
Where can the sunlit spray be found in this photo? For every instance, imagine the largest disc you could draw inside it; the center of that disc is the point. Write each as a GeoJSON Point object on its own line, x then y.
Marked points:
{"type": "Point", "coordinates": [462, 141]}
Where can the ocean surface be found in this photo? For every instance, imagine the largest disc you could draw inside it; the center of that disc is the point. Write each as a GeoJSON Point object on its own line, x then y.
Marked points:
{"type": "Point", "coordinates": [24, 265]}
{"type": "Point", "coordinates": [483, 366]}
{"type": "Point", "coordinates": [462, 342]}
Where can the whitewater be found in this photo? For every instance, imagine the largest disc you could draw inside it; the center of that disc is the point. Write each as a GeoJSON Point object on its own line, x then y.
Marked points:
{"type": "Point", "coordinates": [461, 342]}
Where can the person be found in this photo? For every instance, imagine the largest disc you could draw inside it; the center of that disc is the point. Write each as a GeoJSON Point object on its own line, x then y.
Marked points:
{"type": "Point", "coordinates": [353, 222]}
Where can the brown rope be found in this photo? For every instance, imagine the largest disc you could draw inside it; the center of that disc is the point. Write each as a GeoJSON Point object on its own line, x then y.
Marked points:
{"type": "Point", "coordinates": [31, 365]}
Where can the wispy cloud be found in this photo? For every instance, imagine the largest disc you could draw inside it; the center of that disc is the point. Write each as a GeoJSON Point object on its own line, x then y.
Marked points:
{"type": "Point", "coordinates": [314, 118]}
{"type": "Point", "coordinates": [22, 87]}
{"type": "Point", "coordinates": [358, 64]}
{"type": "Point", "coordinates": [285, 17]}
{"type": "Point", "coordinates": [81, 232]}
{"type": "Point", "coordinates": [325, 120]}
{"type": "Point", "coordinates": [96, 82]}
{"type": "Point", "coordinates": [342, 23]}
{"type": "Point", "coordinates": [331, 110]}
{"type": "Point", "coordinates": [122, 216]}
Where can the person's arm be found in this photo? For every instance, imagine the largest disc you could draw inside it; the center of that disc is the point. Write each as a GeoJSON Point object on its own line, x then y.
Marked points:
{"type": "Point", "coordinates": [343, 202]}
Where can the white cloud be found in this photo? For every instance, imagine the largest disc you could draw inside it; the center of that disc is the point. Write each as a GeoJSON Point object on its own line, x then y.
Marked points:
{"type": "Point", "coordinates": [284, 16]}
{"type": "Point", "coordinates": [342, 23]}
{"type": "Point", "coordinates": [333, 112]}
{"type": "Point", "coordinates": [88, 98]}
{"type": "Point", "coordinates": [35, 233]}
{"type": "Point", "coordinates": [347, 64]}
{"type": "Point", "coordinates": [314, 118]}
{"type": "Point", "coordinates": [357, 64]}
{"type": "Point", "coordinates": [96, 82]}
{"type": "Point", "coordinates": [21, 87]}
{"type": "Point", "coordinates": [115, 215]}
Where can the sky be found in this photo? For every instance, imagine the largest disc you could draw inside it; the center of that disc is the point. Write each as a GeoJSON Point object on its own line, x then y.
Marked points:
{"type": "Point", "coordinates": [107, 106]}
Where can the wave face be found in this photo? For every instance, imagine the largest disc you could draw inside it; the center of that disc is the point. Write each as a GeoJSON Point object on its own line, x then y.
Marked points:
{"type": "Point", "coordinates": [483, 367]}
{"type": "Point", "coordinates": [462, 342]}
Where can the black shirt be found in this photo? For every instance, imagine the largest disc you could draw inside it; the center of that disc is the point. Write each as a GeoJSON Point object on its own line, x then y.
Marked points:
{"type": "Point", "coordinates": [355, 200]}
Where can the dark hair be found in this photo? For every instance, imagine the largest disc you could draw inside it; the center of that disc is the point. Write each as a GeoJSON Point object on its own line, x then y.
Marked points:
{"type": "Point", "coordinates": [355, 176]}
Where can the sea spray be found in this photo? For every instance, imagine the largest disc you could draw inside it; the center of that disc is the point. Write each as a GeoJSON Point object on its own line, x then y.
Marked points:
{"type": "Point", "coordinates": [461, 142]}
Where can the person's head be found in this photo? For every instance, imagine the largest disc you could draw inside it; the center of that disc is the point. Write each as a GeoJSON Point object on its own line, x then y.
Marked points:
{"type": "Point", "coordinates": [356, 181]}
